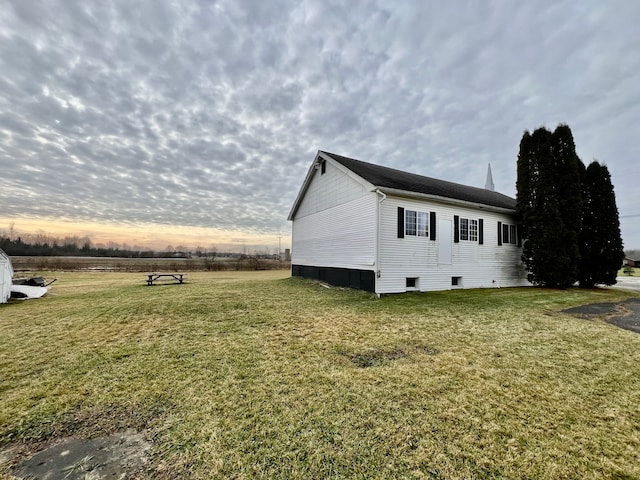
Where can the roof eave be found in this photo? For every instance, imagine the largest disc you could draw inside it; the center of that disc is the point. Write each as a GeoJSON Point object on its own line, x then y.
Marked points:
{"type": "Point", "coordinates": [446, 200]}
{"type": "Point", "coordinates": [310, 173]}
{"type": "Point", "coordinates": [304, 187]}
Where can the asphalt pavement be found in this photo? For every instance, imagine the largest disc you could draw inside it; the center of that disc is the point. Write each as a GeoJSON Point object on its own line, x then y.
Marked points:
{"type": "Point", "coordinates": [624, 314]}
{"type": "Point", "coordinates": [628, 283]}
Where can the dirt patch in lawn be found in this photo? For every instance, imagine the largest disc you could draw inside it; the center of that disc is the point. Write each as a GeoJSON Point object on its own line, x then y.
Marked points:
{"type": "Point", "coordinates": [375, 357]}
{"type": "Point", "coordinates": [625, 314]}
{"type": "Point", "coordinates": [118, 456]}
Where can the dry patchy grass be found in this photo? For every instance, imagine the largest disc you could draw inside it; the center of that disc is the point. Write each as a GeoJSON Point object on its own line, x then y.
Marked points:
{"type": "Point", "coordinates": [254, 375]}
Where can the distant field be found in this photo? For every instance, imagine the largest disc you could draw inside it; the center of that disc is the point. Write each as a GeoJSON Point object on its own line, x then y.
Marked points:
{"type": "Point", "coordinates": [110, 264]}
{"type": "Point", "coordinates": [257, 375]}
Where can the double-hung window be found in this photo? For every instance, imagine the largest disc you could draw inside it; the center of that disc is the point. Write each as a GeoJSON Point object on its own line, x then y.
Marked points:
{"type": "Point", "coordinates": [464, 229]}
{"type": "Point", "coordinates": [416, 223]}
{"type": "Point", "coordinates": [422, 224]}
{"type": "Point", "coordinates": [469, 229]}
{"type": "Point", "coordinates": [508, 234]}
{"type": "Point", "coordinates": [413, 223]}
{"type": "Point", "coordinates": [473, 230]}
{"type": "Point", "coordinates": [410, 222]}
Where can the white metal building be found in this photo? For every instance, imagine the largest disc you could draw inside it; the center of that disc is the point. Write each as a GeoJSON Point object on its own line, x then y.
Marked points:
{"type": "Point", "coordinates": [387, 231]}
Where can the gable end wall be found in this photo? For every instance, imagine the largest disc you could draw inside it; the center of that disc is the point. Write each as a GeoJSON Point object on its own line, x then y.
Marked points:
{"type": "Point", "coordinates": [335, 224]}
{"type": "Point", "coordinates": [329, 190]}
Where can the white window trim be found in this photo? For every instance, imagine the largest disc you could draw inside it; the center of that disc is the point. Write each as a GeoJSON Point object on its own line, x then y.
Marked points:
{"type": "Point", "coordinates": [420, 225]}
{"type": "Point", "coordinates": [512, 234]}
{"type": "Point", "coordinates": [468, 233]}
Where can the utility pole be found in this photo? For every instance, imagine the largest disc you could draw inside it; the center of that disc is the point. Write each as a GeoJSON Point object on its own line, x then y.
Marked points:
{"type": "Point", "coordinates": [279, 257]}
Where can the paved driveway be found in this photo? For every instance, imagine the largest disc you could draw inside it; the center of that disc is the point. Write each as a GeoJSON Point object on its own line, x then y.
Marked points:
{"type": "Point", "coordinates": [628, 283]}
{"type": "Point", "coordinates": [625, 314]}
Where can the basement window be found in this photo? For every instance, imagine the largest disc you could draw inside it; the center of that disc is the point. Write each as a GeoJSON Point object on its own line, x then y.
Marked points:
{"type": "Point", "coordinates": [412, 283]}
{"type": "Point", "coordinates": [456, 281]}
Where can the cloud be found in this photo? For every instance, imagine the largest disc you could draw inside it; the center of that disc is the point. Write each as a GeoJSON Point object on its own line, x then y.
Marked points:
{"type": "Point", "coordinates": [207, 114]}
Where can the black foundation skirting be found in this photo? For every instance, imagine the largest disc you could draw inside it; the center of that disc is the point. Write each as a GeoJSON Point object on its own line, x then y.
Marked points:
{"type": "Point", "coordinates": [340, 277]}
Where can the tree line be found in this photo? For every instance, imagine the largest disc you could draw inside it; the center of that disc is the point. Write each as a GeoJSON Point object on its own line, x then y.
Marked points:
{"type": "Point", "coordinates": [569, 216]}
{"type": "Point", "coordinates": [55, 247]}
{"type": "Point", "coordinates": [72, 247]}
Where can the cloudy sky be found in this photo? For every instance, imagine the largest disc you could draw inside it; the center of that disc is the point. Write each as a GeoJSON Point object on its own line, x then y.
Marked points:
{"type": "Point", "coordinates": [194, 122]}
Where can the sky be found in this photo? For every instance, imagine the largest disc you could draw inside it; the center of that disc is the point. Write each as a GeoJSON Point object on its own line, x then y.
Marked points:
{"type": "Point", "coordinates": [179, 122]}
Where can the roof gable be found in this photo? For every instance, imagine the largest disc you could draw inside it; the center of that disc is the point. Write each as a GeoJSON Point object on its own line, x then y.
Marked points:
{"type": "Point", "coordinates": [385, 177]}
{"type": "Point", "coordinates": [313, 170]}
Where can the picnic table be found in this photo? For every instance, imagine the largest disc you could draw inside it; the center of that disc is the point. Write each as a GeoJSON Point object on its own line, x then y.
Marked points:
{"type": "Point", "coordinates": [178, 277]}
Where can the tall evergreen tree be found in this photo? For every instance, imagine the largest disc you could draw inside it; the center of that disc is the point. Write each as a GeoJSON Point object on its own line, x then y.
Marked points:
{"type": "Point", "coordinates": [549, 200]}
{"type": "Point", "coordinates": [527, 169]}
{"type": "Point", "coordinates": [568, 181]}
{"type": "Point", "coordinates": [526, 205]}
{"type": "Point", "coordinates": [600, 240]}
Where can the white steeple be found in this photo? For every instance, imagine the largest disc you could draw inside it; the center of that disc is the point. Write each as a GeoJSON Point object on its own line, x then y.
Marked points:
{"type": "Point", "coordinates": [489, 184]}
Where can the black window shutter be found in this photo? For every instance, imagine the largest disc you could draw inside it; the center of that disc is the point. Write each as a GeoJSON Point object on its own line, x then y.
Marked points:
{"type": "Point", "coordinates": [480, 231]}
{"type": "Point", "coordinates": [400, 222]}
{"type": "Point", "coordinates": [519, 234]}
{"type": "Point", "coordinates": [499, 233]}
{"type": "Point", "coordinates": [432, 225]}
{"type": "Point", "coordinates": [456, 229]}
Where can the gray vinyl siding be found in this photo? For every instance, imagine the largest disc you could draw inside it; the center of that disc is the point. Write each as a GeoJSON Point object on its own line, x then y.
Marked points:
{"type": "Point", "coordinates": [479, 266]}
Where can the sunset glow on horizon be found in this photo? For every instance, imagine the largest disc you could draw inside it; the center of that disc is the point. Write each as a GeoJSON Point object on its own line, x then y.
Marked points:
{"type": "Point", "coordinates": [146, 236]}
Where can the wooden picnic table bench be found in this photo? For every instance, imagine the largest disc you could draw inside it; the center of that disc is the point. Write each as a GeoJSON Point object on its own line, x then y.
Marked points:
{"type": "Point", "coordinates": [152, 277]}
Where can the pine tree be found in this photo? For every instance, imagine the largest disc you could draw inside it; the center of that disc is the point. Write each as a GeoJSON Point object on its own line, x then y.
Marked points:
{"type": "Point", "coordinates": [601, 243]}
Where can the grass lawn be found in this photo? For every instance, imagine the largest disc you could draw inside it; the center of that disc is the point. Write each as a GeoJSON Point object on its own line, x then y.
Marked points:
{"type": "Point", "coordinates": [634, 272]}
{"type": "Point", "coordinates": [255, 375]}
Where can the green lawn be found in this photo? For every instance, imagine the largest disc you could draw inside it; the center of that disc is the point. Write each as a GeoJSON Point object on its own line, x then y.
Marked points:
{"type": "Point", "coordinates": [255, 375]}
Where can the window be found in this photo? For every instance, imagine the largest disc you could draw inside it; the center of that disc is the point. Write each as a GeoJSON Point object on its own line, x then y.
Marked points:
{"type": "Point", "coordinates": [473, 230]}
{"type": "Point", "coordinates": [412, 282]}
{"type": "Point", "coordinates": [410, 222]}
{"type": "Point", "coordinates": [469, 229]}
{"type": "Point", "coordinates": [509, 234]}
{"type": "Point", "coordinates": [323, 167]}
{"type": "Point", "coordinates": [420, 224]}
{"type": "Point", "coordinates": [423, 224]}
{"type": "Point", "coordinates": [464, 229]}
{"type": "Point", "coordinates": [416, 223]}
{"type": "Point", "coordinates": [456, 281]}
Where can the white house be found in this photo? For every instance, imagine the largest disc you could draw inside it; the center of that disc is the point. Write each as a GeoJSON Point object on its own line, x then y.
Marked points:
{"type": "Point", "coordinates": [387, 231]}
{"type": "Point", "coordinates": [6, 276]}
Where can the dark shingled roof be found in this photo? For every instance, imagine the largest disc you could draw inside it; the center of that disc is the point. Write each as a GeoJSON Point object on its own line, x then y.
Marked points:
{"type": "Point", "coordinates": [410, 182]}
